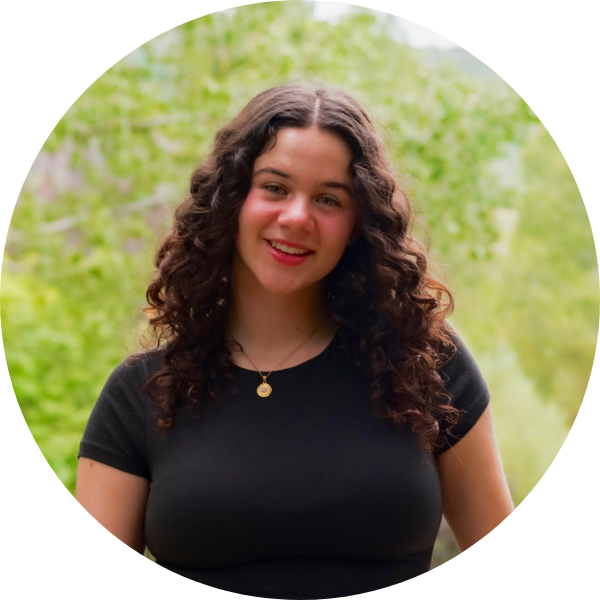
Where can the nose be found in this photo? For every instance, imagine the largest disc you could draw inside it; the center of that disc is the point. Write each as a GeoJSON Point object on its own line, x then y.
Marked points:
{"type": "Point", "coordinates": [296, 213]}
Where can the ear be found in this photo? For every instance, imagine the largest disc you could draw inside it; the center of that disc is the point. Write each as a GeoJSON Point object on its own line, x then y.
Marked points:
{"type": "Point", "coordinates": [356, 231]}
{"type": "Point", "coordinates": [354, 235]}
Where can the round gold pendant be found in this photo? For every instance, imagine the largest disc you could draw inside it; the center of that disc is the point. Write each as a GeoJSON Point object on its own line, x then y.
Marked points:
{"type": "Point", "coordinates": [264, 389]}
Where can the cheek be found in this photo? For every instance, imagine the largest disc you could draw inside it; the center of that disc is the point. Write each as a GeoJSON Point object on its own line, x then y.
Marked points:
{"type": "Point", "coordinates": [338, 231]}
{"type": "Point", "coordinates": [254, 215]}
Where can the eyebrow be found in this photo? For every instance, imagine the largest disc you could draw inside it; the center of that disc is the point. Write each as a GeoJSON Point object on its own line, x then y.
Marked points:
{"type": "Point", "coordinates": [329, 184]}
{"type": "Point", "coordinates": [272, 171]}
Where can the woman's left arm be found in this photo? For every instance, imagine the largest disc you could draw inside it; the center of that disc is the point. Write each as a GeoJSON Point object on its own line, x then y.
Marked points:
{"type": "Point", "coordinates": [475, 493]}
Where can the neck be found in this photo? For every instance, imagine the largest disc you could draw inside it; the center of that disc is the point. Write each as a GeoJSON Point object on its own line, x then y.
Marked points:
{"type": "Point", "coordinates": [260, 320]}
{"type": "Point", "coordinates": [264, 323]}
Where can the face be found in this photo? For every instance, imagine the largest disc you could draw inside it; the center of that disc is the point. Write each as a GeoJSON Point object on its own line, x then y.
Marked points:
{"type": "Point", "coordinates": [299, 214]}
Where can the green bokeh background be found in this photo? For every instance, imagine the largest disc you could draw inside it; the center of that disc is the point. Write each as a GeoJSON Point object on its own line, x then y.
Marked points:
{"type": "Point", "coordinates": [497, 202]}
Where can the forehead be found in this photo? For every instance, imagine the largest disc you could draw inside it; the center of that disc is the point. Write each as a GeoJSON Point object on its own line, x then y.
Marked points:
{"type": "Point", "coordinates": [311, 150]}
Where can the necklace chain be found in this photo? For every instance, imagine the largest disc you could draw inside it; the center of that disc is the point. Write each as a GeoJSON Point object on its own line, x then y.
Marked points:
{"type": "Point", "coordinates": [264, 389]}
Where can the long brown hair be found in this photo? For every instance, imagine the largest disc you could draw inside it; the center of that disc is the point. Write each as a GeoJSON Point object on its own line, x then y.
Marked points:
{"type": "Point", "coordinates": [389, 310]}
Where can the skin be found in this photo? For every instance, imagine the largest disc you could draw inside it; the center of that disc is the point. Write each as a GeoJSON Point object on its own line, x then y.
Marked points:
{"type": "Point", "coordinates": [474, 490]}
{"type": "Point", "coordinates": [117, 500]}
{"type": "Point", "coordinates": [301, 192]}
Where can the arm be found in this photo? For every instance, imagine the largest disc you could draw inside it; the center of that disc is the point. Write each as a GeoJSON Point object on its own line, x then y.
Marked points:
{"type": "Point", "coordinates": [475, 494]}
{"type": "Point", "coordinates": [116, 499]}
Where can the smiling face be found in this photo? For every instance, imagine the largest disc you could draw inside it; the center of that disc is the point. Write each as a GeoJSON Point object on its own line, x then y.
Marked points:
{"type": "Point", "coordinates": [299, 214]}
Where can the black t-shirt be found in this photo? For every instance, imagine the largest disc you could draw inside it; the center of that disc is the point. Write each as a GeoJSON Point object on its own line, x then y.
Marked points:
{"type": "Point", "coordinates": [303, 494]}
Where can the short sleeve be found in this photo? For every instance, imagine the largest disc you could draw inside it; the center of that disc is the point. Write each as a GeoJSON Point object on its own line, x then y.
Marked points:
{"type": "Point", "coordinates": [116, 431]}
{"type": "Point", "coordinates": [469, 392]}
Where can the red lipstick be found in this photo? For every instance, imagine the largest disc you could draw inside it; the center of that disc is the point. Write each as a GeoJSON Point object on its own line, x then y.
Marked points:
{"type": "Point", "coordinates": [285, 258]}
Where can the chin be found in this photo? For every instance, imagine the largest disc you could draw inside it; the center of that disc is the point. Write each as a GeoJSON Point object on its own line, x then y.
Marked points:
{"type": "Point", "coordinates": [280, 287]}
{"type": "Point", "coordinates": [283, 290]}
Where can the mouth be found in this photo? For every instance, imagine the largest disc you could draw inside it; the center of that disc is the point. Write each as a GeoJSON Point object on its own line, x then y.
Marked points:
{"type": "Point", "coordinates": [287, 255]}
{"type": "Point", "coordinates": [291, 250]}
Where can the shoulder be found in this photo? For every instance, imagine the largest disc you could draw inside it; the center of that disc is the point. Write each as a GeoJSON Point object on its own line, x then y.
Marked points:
{"type": "Point", "coordinates": [467, 388]}
{"type": "Point", "coordinates": [124, 388]}
{"type": "Point", "coordinates": [461, 370]}
{"type": "Point", "coordinates": [136, 368]}
{"type": "Point", "coordinates": [116, 431]}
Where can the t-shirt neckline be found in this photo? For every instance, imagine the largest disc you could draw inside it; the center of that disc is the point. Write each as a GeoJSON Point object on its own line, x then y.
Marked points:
{"type": "Point", "coordinates": [299, 365]}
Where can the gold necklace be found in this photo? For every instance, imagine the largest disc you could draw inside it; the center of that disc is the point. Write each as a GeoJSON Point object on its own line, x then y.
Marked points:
{"type": "Point", "coordinates": [264, 389]}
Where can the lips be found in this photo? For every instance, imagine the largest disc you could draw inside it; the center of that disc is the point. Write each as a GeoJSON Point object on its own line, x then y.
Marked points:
{"type": "Point", "coordinates": [288, 248]}
{"type": "Point", "coordinates": [288, 253]}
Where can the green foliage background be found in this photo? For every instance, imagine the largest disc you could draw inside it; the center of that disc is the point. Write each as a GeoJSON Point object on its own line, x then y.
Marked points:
{"type": "Point", "coordinates": [493, 192]}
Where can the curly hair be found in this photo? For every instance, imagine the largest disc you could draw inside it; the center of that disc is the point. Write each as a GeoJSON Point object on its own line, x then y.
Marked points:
{"type": "Point", "coordinates": [390, 312]}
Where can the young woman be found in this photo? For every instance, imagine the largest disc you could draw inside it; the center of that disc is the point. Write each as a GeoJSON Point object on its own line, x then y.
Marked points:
{"type": "Point", "coordinates": [310, 414]}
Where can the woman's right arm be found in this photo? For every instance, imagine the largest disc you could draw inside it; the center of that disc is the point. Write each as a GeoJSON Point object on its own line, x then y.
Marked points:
{"type": "Point", "coordinates": [116, 499]}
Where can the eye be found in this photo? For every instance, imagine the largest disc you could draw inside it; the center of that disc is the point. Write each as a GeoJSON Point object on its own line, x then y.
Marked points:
{"type": "Point", "coordinates": [274, 188]}
{"type": "Point", "coordinates": [329, 201]}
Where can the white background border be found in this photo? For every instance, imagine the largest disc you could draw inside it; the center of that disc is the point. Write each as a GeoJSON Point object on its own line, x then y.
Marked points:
{"type": "Point", "coordinates": [52, 51]}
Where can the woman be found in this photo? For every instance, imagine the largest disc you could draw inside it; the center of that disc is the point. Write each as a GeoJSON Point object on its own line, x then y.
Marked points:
{"type": "Point", "coordinates": [310, 414]}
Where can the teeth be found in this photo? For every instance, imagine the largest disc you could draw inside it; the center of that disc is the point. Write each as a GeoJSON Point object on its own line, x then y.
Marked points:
{"type": "Point", "coordinates": [287, 249]}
